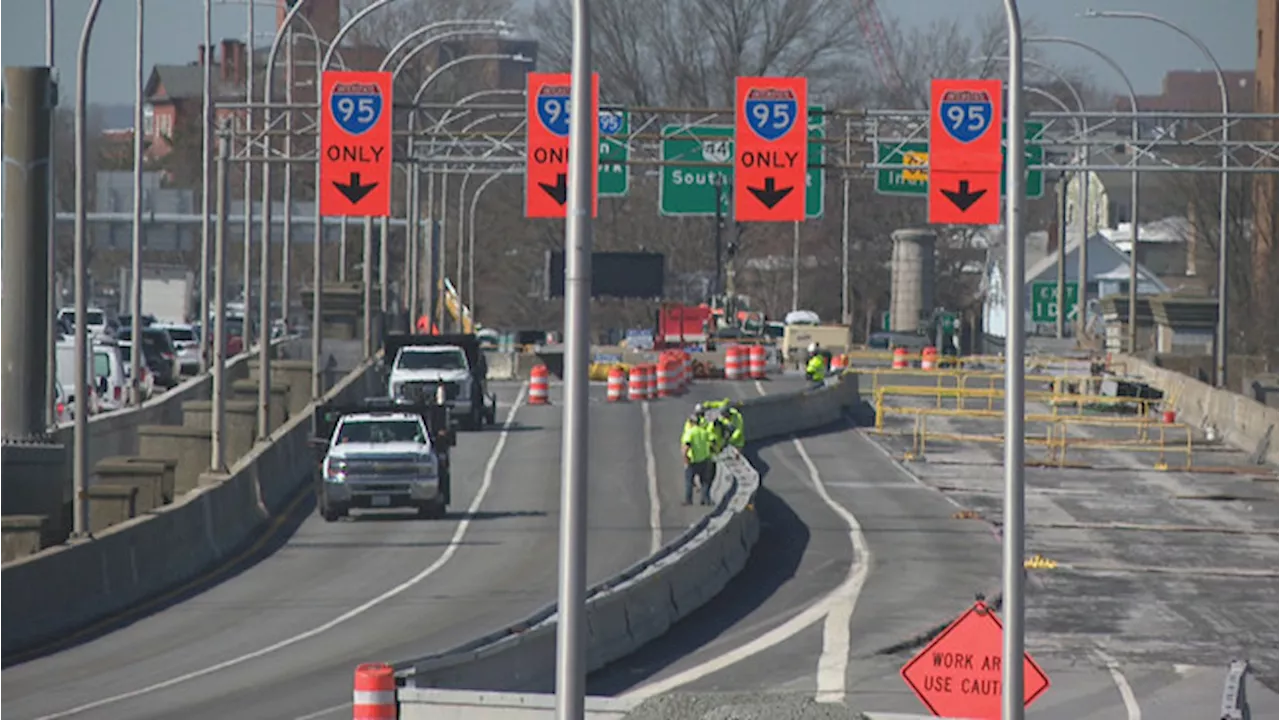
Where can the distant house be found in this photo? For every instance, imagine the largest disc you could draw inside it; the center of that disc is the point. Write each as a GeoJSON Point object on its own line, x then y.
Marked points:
{"type": "Point", "coordinates": [1107, 274]}
{"type": "Point", "coordinates": [174, 94]}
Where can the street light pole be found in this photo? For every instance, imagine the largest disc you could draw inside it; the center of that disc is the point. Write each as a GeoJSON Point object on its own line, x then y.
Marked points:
{"type": "Point", "coordinates": [51, 367]}
{"type": "Point", "coordinates": [471, 242]}
{"type": "Point", "coordinates": [80, 448]}
{"type": "Point", "coordinates": [1014, 641]}
{"type": "Point", "coordinates": [247, 230]}
{"type": "Point", "coordinates": [1134, 133]}
{"type": "Point", "coordinates": [206, 122]}
{"type": "Point", "coordinates": [571, 633]}
{"type": "Point", "coordinates": [135, 265]}
{"type": "Point", "coordinates": [1220, 349]}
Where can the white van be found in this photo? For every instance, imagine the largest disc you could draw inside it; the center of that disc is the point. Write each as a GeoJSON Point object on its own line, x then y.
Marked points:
{"type": "Point", "coordinates": [106, 374]}
{"type": "Point", "coordinates": [95, 318]}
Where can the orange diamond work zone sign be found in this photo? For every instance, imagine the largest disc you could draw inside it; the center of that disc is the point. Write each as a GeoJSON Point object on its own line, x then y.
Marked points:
{"type": "Point", "coordinates": [957, 675]}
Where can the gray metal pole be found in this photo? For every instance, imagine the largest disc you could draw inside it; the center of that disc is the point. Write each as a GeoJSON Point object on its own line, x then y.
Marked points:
{"type": "Point", "coordinates": [1134, 214]}
{"type": "Point", "coordinates": [217, 459]}
{"type": "Point", "coordinates": [384, 229]}
{"type": "Point", "coordinates": [80, 450]}
{"type": "Point", "coordinates": [571, 628]}
{"type": "Point", "coordinates": [247, 231]}
{"type": "Point", "coordinates": [1062, 255]}
{"type": "Point", "coordinates": [264, 323]}
{"type": "Point", "coordinates": [795, 266]}
{"type": "Point", "coordinates": [206, 138]}
{"type": "Point", "coordinates": [846, 310]}
{"type": "Point", "coordinates": [442, 248]}
{"type": "Point", "coordinates": [28, 130]}
{"type": "Point", "coordinates": [414, 230]}
{"type": "Point", "coordinates": [471, 244]}
{"type": "Point", "coordinates": [135, 265]}
{"type": "Point", "coordinates": [51, 359]}
{"type": "Point", "coordinates": [462, 237]}
{"type": "Point", "coordinates": [342, 250]}
{"type": "Point", "coordinates": [366, 280]}
{"type": "Point", "coordinates": [286, 234]}
{"type": "Point", "coordinates": [431, 298]}
{"type": "Point", "coordinates": [317, 314]}
{"type": "Point", "coordinates": [1220, 344]}
{"type": "Point", "coordinates": [1015, 339]}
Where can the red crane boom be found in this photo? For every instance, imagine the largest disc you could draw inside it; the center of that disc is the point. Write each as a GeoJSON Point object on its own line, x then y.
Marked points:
{"type": "Point", "coordinates": [877, 39]}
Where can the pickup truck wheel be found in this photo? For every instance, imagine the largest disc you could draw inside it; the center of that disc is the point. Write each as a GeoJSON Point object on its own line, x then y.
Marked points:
{"type": "Point", "coordinates": [331, 513]}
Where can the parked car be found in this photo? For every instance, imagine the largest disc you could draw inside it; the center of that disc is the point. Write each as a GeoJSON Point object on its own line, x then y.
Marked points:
{"type": "Point", "coordinates": [65, 366]}
{"type": "Point", "coordinates": [186, 345]}
{"type": "Point", "coordinates": [96, 318]}
{"type": "Point", "coordinates": [158, 353]}
{"type": "Point", "coordinates": [147, 383]}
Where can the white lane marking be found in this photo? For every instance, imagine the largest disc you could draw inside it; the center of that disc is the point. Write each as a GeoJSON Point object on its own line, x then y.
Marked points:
{"type": "Point", "coordinates": [454, 543]}
{"type": "Point", "coordinates": [651, 471]}
{"type": "Point", "coordinates": [327, 711]}
{"type": "Point", "coordinates": [834, 661]}
{"type": "Point", "coordinates": [1132, 709]}
{"type": "Point", "coordinates": [842, 599]}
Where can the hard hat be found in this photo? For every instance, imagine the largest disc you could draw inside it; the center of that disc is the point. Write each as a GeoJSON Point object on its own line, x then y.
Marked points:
{"type": "Point", "coordinates": [698, 409]}
{"type": "Point", "coordinates": [813, 347]}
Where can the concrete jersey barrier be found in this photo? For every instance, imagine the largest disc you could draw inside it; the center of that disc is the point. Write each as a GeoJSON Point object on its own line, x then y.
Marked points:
{"type": "Point", "coordinates": [48, 595]}
{"type": "Point", "coordinates": [1242, 422]}
{"type": "Point", "coordinates": [644, 601]}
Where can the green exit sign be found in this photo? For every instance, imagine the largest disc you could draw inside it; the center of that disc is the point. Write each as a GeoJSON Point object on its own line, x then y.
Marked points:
{"type": "Point", "coordinates": [1044, 301]}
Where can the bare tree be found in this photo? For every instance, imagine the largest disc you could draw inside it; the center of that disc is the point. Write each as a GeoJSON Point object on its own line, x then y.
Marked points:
{"type": "Point", "coordinates": [688, 52]}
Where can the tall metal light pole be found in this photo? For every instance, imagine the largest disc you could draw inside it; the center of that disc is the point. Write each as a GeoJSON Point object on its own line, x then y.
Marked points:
{"type": "Point", "coordinates": [471, 241]}
{"type": "Point", "coordinates": [1220, 349]}
{"type": "Point", "coordinates": [846, 316]}
{"type": "Point", "coordinates": [206, 127]}
{"type": "Point", "coordinates": [795, 266]}
{"type": "Point", "coordinates": [135, 265]}
{"type": "Point", "coordinates": [1134, 133]}
{"type": "Point", "coordinates": [247, 229]}
{"type": "Point", "coordinates": [80, 448]}
{"type": "Point", "coordinates": [1011, 685]}
{"type": "Point", "coordinates": [51, 391]}
{"type": "Point", "coordinates": [571, 676]}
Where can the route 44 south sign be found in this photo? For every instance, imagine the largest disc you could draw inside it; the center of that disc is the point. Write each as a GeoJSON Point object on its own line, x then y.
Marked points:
{"type": "Point", "coordinates": [355, 142]}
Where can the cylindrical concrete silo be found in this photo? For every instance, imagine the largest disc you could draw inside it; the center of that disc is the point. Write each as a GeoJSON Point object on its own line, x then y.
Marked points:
{"type": "Point", "coordinates": [911, 288]}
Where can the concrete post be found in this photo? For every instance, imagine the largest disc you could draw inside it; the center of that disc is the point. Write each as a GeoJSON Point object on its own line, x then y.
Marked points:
{"type": "Point", "coordinates": [911, 278]}
{"type": "Point", "coordinates": [30, 98]}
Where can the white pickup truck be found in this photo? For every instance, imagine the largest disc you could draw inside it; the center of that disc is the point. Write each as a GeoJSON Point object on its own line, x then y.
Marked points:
{"type": "Point", "coordinates": [424, 366]}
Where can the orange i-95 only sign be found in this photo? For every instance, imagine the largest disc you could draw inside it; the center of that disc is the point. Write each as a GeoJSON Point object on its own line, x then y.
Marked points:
{"type": "Point", "coordinates": [771, 149]}
{"type": "Point", "coordinates": [355, 144]}
{"type": "Point", "coordinates": [546, 185]}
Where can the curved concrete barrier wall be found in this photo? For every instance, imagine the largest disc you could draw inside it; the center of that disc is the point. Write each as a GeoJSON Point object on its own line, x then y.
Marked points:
{"type": "Point", "coordinates": [1244, 423]}
{"type": "Point", "coordinates": [642, 603]}
{"type": "Point", "coordinates": [50, 594]}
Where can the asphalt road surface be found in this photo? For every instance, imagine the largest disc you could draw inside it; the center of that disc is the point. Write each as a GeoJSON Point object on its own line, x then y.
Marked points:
{"type": "Point", "coordinates": [1163, 577]}
{"type": "Point", "coordinates": [278, 634]}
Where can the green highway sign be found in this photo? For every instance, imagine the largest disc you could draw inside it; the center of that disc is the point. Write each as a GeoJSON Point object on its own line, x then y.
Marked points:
{"type": "Point", "coordinates": [690, 190]}
{"type": "Point", "coordinates": [916, 182]}
{"type": "Point", "coordinates": [615, 173]}
{"type": "Point", "coordinates": [1044, 301]}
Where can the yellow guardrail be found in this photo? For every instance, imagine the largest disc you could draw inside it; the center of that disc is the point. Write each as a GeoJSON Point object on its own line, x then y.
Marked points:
{"type": "Point", "coordinates": [971, 378]}
{"type": "Point", "coordinates": [991, 363]}
{"type": "Point", "coordinates": [964, 395]}
{"type": "Point", "coordinates": [1143, 426]}
{"type": "Point", "coordinates": [1164, 440]}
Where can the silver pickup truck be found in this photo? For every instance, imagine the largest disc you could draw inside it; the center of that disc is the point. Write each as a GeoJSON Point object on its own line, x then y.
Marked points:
{"type": "Point", "coordinates": [383, 455]}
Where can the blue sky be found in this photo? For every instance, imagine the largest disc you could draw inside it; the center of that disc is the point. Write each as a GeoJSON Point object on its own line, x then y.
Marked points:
{"type": "Point", "coordinates": [173, 31]}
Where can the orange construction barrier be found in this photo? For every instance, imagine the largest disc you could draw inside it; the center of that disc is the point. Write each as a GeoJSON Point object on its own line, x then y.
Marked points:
{"type": "Point", "coordinates": [686, 369]}
{"type": "Point", "coordinates": [839, 362]}
{"type": "Point", "coordinates": [733, 369]}
{"type": "Point", "coordinates": [539, 387]}
{"type": "Point", "coordinates": [666, 377]}
{"type": "Point", "coordinates": [617, 383]}
{"type": "Point", "coordinates": [375, 693]}
{"type": "Point", "coordinates": [650, 381]}
{"type": "Point", "coordinates": [635, 383]}
{"type": "Point", "coordinates": [929, 358]}
{"type": "Point", "coordinates": [756, 362]}
{"type": "Point", "coordinates": [900, 361]}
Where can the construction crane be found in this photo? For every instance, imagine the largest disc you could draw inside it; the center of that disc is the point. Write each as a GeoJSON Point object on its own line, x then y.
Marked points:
{"type": "Point", "coordinates": [877, 39]}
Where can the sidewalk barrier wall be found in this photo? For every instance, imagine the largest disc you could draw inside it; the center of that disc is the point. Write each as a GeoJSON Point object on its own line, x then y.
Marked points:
{"type": "Point", "coordinates": [1242, 422]}
{"type": "Point", "coordinates": [49, 595]}
{"type": "Point", "coordinates": [639, 605]}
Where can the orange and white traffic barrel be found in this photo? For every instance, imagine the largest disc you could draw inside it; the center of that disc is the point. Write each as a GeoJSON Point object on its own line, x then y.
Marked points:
{"type": "Point", "coordinates": [650, 381]}
{"type": "Point", "coordinates": [635, 384]}
{"type": "Point", "coordinates": [539, 386]}
{"type": "Point", "coordinates": [375, 693]}
{"type": "Point", "coordinates": [929, 358]}
{"type": "Point", "coordinates": [666, 377]}
{"type": "Point", "coordinates": [839, 362]}
{"type": "Point", "coordinates": [617, 385]}
{"type": "Point", "coordinates": [756, 362]}
{"type": "Point", "coordinates": [900, 361]}
{"type": "Point", "coordinates": [733, 363]}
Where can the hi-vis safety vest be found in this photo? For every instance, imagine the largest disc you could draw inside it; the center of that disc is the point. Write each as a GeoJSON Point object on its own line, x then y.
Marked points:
{"type": "Point", "coordinates": [816, 369]}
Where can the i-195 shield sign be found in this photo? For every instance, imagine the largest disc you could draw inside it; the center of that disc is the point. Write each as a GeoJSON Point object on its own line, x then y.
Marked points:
{"type": "Point", "coordinates": [356, 106]}
{"type": "Point", "coordinates": [771, 112]}
{"type": "Point", "coordinates": [553, 109]}
{"type": "Point", "coordinates": [965, 114]}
